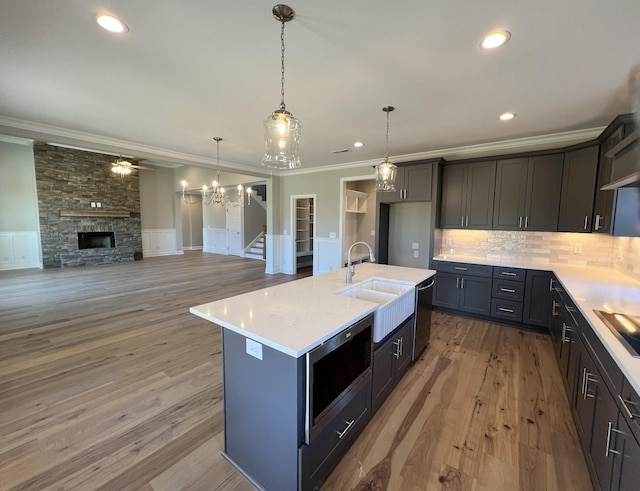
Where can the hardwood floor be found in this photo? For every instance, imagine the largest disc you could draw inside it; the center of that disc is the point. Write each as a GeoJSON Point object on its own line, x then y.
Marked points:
{"type": "Point", "coordinates": [108, 382]}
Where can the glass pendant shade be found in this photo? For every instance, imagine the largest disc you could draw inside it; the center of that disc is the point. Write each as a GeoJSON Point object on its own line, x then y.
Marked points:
{"type": "Point", "coordinates": [282, 140]}
{"type": "Point", "coordinates": [386, 176]}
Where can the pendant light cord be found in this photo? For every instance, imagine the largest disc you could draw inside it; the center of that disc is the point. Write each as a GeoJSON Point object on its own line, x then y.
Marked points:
{"type": "Point", "coordinates": [282, 105]}
{"type": "Point", "coordinates": [386, 151]}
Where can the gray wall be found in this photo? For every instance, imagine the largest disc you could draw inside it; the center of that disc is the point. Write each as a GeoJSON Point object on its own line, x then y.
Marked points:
{"type": "Point", "coordinates": [18, 199]}
{"type": "Point", "coordinates": [255, 216]}
{"type": "Point", "coordinates": [326, 186]}
{"type": "Point", "coordinates": [408, 223]}
{"type": "Point", "coordinates": [156, 203]}
{"type": "Point", "coordinates": [191, 223]}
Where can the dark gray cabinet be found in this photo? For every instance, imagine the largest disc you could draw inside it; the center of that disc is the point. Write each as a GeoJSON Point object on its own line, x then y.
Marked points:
{"type": "Point", "coordinates": [467, 195]}
{"type": "Point", "coordinates": [537, 298]}
{"type": "Point", "coordinates": [527, 195]}
{"type": "Point", "coordinates": [578, 190]}
{"type": "Point", "coordinates": [413, 183]}
{"type": "Point", "coordinates": [508, 293]}
{"type": "Point", "coordinates": [604, 200]}
{"type": "Point", "coordinates": [626, 455]}
{"type": "Point", "coordinates": [463, 287]}
{"type": "Point", "coordinates": [390, 362]}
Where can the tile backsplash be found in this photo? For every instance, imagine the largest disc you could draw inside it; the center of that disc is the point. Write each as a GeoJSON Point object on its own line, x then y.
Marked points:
{"type": "Point", "coordinates": [622, 253]}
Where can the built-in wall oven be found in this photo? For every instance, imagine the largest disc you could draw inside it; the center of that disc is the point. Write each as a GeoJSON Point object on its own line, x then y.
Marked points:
{"type": "Point", "coordinates": [336, 371]}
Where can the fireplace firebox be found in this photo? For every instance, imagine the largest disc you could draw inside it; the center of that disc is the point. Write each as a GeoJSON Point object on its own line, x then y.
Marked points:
{"type": "Point", "coordinates": [96, 240]}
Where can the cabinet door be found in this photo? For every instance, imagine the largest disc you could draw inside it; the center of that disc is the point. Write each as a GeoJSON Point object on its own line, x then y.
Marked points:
{"type": "Point", "coordinates": [537, 299]}
{"type": "Point", "coordinates": [555, 322]}
{"type": "Point", "coordinates": [394, 196]}
{"type": "Point", "coordinates": [605, 422]}
{"type": "Point", "coordinates": [475, 294]}
{"type": "Point", "coordinates": [452, 211]}
{"type": "Point", "coordinates": [578, 190]}
{"type": "Point", "coordinates": [585, 402]}
{"type": "Point", "coordinates": [603, 207]}
{"type": "Point", "coordinates": [383, 373]}
{"type": "Point", "coordinates": [544, 183]}
{"type": "Point", "coordinates": [417, 182]}
{"type": "Point", "coordinates": [480, 191]}
{"type": "Point", "coordinates": [404, 340]}
{"type": "Point", "coordinates": [511, 184]}
{"type": "Point", "coordinates": [626, 471]}
{"type": "Point", "coordinates": [446, 288]}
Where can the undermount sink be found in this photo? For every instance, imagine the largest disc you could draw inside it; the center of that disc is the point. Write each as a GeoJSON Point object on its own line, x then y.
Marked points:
{"type": "Point", "coordinates": [395, 299]}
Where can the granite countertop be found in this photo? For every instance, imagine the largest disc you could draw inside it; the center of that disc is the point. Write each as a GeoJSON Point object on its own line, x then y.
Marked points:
{"type": "Point", "coordinates": [591, 288]}
{"type": "Point", "coordinates": [298, 316]}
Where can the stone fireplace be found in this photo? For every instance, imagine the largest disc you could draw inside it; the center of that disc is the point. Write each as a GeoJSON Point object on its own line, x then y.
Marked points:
{"type": "Point", "coordinates": [78, 195]}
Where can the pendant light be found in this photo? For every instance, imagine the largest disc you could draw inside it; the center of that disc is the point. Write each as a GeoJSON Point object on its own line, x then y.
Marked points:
{"type": "Point", "coordinates": [386, 171]}
{"type": "Point", "coordinates": [281, 129]}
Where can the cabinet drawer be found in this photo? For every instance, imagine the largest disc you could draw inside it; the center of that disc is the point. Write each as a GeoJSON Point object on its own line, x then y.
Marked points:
{"type": "Point", "coordinates": [506, 309]}
{"type": "Point", "coordinates": [320, 457]}
{"type": "Point", "coordinates": [514, 274]}
{"type": "Point", "coordinates": [464, 268]}
{"type": "Point", "coordinates": [507, 289]}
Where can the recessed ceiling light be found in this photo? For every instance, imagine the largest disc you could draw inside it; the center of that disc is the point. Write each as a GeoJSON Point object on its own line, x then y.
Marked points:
{"type": "Point", "coordinates": [112, 24]}
{"type": "Point", "coordinates": [358, 144]}
{"type": "Point", "coordinates": [495, 39]}
{"type": "Point", "coordinates": [506, 116]}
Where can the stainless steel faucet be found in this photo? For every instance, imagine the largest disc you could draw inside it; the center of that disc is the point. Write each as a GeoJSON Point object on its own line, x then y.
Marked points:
{"type": "Point", "coordinates": [351, 268]}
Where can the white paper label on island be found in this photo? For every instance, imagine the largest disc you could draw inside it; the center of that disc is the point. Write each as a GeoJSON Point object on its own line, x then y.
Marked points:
{"type": "Point", "coordinates": [254, 349]}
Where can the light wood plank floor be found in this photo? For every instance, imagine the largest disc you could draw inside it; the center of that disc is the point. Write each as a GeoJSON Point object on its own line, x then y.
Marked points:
{"type": "Point", "coordinates": [107, 382]}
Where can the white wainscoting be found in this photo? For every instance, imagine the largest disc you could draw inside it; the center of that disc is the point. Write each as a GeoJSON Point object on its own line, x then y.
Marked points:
{"type": "Point", "coordinates": [326, 255]}
{"type": "Point", "coordinates": [215, 240]}
{"type": "Point", "coordinates": [159, 242]}
{"type": "Point", "coordinates": [19, 250]}
{"type": "Point", "coordinates": [278, 254]}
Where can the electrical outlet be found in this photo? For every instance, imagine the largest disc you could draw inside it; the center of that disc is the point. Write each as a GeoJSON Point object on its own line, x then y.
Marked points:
{"type": "Point", "coordinates": [98, 204]}
{"type": "Point", "coordinates": [415, 245]}
{"type": "Point", "coordinates": [372, 233]}
{"type": "Point", "coordinates": [447, 241]}
{"type": "Point", "coordinates": [416, 253]}
{"type": "Point", "coordinates": [93, 204]}
{"type": "Point", "coordinates": [254, 349]}
{"type": "Point", "coordinates": [577, 249]}
{"type": "Point", "coordinates": [285, 232]}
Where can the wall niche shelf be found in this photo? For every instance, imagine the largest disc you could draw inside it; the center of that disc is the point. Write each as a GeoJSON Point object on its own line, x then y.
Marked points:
{"type": "Point", "coordinates": [355, 201]}
{"type": "Point", "coordinates": [95, 213]}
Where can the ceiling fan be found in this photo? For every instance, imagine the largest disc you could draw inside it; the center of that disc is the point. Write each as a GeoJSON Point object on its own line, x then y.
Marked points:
{"type": "Point", "coordinates": [124, 167]}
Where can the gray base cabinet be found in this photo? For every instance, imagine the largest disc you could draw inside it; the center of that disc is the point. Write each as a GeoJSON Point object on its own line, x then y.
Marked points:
{"type": "Point", "coordinates": [464, 287]}
{"type": "Point", "coordinates": [391, 360]}
{"type": "Point", "coordinates": [604, 406]}
{"type": "Point", "coordinates": [537, 299]}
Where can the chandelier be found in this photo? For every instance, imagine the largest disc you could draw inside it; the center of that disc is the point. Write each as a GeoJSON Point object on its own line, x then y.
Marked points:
{"type": "Point", "coordinates": [386, 171]}
{"type": "Point", "coordinates": [281, 128]}
{"type": "Point", "coordinates": [121, 167]}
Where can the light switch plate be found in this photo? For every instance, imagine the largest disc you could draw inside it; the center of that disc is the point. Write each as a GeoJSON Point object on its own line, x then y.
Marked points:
{"type": "Point", "coordinates": [332, 235]}
{"type": "Point", "coordinates": [254, 349]}
{"type": "Point", "coordinates": [372, 233]}
{"type": "Point", "coordinates": [415, 245]}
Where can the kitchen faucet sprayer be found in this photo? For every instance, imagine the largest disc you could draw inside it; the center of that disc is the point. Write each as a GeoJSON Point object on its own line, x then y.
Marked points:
{"type": "Point", "coordinates": [351, 267]}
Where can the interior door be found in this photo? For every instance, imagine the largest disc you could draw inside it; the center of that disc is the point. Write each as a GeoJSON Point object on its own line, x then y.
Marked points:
{"type": "Point", "coordinates": [234, 230]}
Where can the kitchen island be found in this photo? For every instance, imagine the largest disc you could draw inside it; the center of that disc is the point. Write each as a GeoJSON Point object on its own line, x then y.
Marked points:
{"type": "Point", "coordinates": [266, 337]}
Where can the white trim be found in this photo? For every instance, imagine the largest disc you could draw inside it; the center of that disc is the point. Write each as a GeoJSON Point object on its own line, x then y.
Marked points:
{"type": "Point", "coordinates": [341, 221]}
{"type": "Point", "coordinates": [276, 251]}
{"type": "Point", "coordinates": [214, 240]}
{"type": "Point", "coordinates": [16, 140]}
{"type": "Point", "coordinates": [159, 242]}
{"type": "Point", "coordinates": [327, 255]}
{"type": "Point", "coordinates": [19, 250]}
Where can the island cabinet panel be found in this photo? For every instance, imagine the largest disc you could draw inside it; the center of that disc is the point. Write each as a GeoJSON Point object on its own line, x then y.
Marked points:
{"type": "Point", "coordinates": [263, 411]}
{"type": "Point", "coordinates": [391, 359]}
{"type": "Point", "coordinates": [578, 190]}
{"type": "Point", "coordinates": [527, 193]}
{"type": "Point", "coordinates": [467, 195]}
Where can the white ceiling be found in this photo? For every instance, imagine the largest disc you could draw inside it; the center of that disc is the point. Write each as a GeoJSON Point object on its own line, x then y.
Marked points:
{"type": "Point", "coordinates": [188, 71]}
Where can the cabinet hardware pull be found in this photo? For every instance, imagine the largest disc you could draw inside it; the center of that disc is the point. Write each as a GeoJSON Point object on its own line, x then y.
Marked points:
{"type": "Point", "coordinates": [551, 284]}
{"type": "Point", "coordinates": [461, 282]}
{"type": "Point", "coordinates": [466, 221]}
{"type": "Point", "coordinates": [626, 408]}
{"type": "Point", "coordinates": [566, 329]}
{"type": "Point", "coordinates": [462, 221]}
{"type": "Point", "coordinates": [526, 222]}
{"type": "Point", "coordinates": [459, 269]}
{"type": "Point", "coordinates": [396, 343]}
{"type": "Point", "coordinates": [553, 309]}
{"type": "Point", "coordinates": [586, 221]}
{"type": "Point", "coordinates": [520, 223]}
{"type": "Point", "coordinates": [506, 273]}
{"type": "Point", "coordinates": [458, 282]}
{"type": "Point", "coordinates": [507, 290]}
{"type": "Point", "coordinates": [427, 287]}
{"type": "Point", "coordinates": [607, 450]}
{"type": "Point", "coordinates": [349, 423]}
{"type": "Point", "coordinates": [569, 308]}
{"type": "Point", "coordinates": [401, 346]}
{"type": "Point", "coordinates": [584, 381]}
{"type": "Point", "coordinates": [502, 309]}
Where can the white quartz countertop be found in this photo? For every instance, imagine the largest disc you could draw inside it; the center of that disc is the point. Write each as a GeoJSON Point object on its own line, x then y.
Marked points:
{"type": "Point", "coordinates": [296, 317]}
{"type": "Point", "coordinates": [591, 288]}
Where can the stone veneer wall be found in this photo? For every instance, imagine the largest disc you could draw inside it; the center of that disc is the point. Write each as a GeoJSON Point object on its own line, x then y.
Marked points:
{"type": "Point", "coordinates": [69, 179]}
{"type": "Point", "coordinates": [622, 253]}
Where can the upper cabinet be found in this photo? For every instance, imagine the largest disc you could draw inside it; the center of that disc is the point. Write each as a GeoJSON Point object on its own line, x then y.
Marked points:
{"type": "Point", "coordinates": [527, 195]}
{"type": "Point", "coordinates": [578, 187]}
{"type": "Point", "coordinates": [467, 195]}
{"type": "Point", "coordinates": [413, 183]}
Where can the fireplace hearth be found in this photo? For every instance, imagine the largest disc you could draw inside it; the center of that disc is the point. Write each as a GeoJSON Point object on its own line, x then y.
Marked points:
{"type": "Point", "coordinates": [96, 240]}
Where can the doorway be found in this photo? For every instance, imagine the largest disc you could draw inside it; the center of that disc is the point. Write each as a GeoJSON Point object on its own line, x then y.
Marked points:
{"type": "Point", "coordinates": [358, 215]}
{"type": "Point", "coordinates": [303, 226]}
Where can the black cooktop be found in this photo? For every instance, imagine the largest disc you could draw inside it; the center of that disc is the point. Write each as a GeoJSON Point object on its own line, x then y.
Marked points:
{"type": "Point", "coordinates": [625, 327]}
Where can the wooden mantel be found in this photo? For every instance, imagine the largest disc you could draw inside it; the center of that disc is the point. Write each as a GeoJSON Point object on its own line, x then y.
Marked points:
{"type": "Point", "coordinates": [95, 213]}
